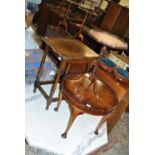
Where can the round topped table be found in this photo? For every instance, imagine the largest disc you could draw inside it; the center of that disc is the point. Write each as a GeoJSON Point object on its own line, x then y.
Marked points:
{"type": "Point", "coordinates": [108, 39]}
{"type": "Point", "coordinates": [86, 96]}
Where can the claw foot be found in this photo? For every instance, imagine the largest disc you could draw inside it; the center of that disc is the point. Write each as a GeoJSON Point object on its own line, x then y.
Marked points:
{"type": "Point", "coordinates": [96, 132]}
{"type": "Point", "coordinates": [47, 107]}
{"type": "Point", "coordinates": [64, 135]}
{"type": "Point", "coordinates": [56, 109]}
{"type": "Point", "coordinates": [34, 90]}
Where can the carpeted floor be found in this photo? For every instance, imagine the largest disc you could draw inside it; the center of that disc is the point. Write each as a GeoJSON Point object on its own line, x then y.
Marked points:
{"type": "Point", "coordinates": [118, 141]}
{"type": "Point", "coordinates": [43, 128]}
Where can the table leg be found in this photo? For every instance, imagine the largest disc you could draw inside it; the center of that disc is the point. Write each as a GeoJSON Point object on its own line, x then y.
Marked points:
{"type": "Point", "coordinates": [59, 101]}
{"type": "Point", "coordinates": [74, 113]}
{"type": "Point", "coordinates": [64, 22]}
{"type": "Point", "coordinates": [103, 119]}
{"type": "Point", "coordinates": [58, 74]}
{"type": "Point", "coordinates": [40, 71]}
{"type": "Point", "coordinates": [89, 67]}
{"type": "Point", "coordinates": [60, 92]}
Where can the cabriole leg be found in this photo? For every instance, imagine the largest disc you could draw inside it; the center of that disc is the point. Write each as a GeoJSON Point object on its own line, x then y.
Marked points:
{"type": "Point", "coordinates": [74, 112]}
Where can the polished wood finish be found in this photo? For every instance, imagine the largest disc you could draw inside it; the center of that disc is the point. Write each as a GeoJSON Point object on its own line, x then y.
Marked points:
{"type": "Point", "coordinates": [98, 93]}
{"type": "Point", "coordinates": [102, 121]}
{"type": "Point", "coordinates": [64, 52]}
{"type": "Point", "coordinates": [74, 112]}
{"type": "Point", "coordinates": [100, 38]}
{"type": "Point", "coordinates": [106, 67]}
{"type": "Point", "coordinates": [70, 49]}
{"type": "Point", "coordinates": [96, 97]}
{"type": "Point", "coordinates": [121, 89]}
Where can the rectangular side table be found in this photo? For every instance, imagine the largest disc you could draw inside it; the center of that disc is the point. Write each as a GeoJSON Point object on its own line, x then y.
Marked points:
{"type": "Point", "coordinates": [64, 53]}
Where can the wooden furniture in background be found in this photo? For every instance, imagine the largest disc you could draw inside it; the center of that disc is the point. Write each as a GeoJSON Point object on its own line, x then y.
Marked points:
{"type": "Point", "coordinates": [50, 14]}
{"type": "Point", "coordinates": [47, 15]}
{"type": "Point", "coordinates": [86, 12]}
{"type": "Point", "coordinates": [108, 39]}
{"type": "Point", "coordinates": [97, 38]}
{"type": "Point", "coordinates": [66, 18]}
{"type": "Point", "coordinates": [70, 56]}
{"type": "Point", "coordinates": [116, 20]}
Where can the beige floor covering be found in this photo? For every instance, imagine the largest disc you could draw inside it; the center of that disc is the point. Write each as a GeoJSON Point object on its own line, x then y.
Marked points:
{"type": "Point", "coordinates": [118, 141]}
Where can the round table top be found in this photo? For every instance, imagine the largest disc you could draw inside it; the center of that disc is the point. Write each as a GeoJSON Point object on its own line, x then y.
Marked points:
{"type": "Point", "coordinates": [108, 39]}
{"type": "Point", "coordinates": [96, 98]}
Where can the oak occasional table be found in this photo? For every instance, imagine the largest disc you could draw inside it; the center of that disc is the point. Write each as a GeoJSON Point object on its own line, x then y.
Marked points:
{"type": "Point", "coordinates": [64, 53]}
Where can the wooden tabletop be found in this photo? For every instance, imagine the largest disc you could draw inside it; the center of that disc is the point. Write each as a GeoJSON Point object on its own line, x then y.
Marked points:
{"type": "Point", "coordinates": [108, 39]}
{"type": "Point", "coordinates": [70, 48]}
{"type": "Point", "coordinates": [95, 98]}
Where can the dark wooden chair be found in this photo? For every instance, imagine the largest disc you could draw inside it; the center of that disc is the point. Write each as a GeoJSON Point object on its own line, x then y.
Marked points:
{"type": "Point", "coordinates": [88, 93]}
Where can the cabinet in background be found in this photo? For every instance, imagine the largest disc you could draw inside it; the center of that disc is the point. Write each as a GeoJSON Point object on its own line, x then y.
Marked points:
{"type": "Point", "coordinates": [116, 20]}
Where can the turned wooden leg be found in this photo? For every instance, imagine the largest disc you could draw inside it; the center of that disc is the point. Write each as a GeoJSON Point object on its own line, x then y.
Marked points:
{"type": "Point", "coordinates": [88, 67]}
{"type": "Point", "coordinates": [59, 72]}
{"type": "Point", "coordinates": [74, 113]}
{"type": "Point", "coordinates": [40, 71]}
{"type": "Point", "coordinates": [103, 119]}
{"type": "Point", "coordinates": [103, 52]}
{"type": "Point", "coordinates": [65, 24]}
{"type": "Point", "coordinates": [59, 101]}
{"type": "Point", "coordinates": [62, 24]}
{"type": "Point", "coordinates": [66, 29]}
